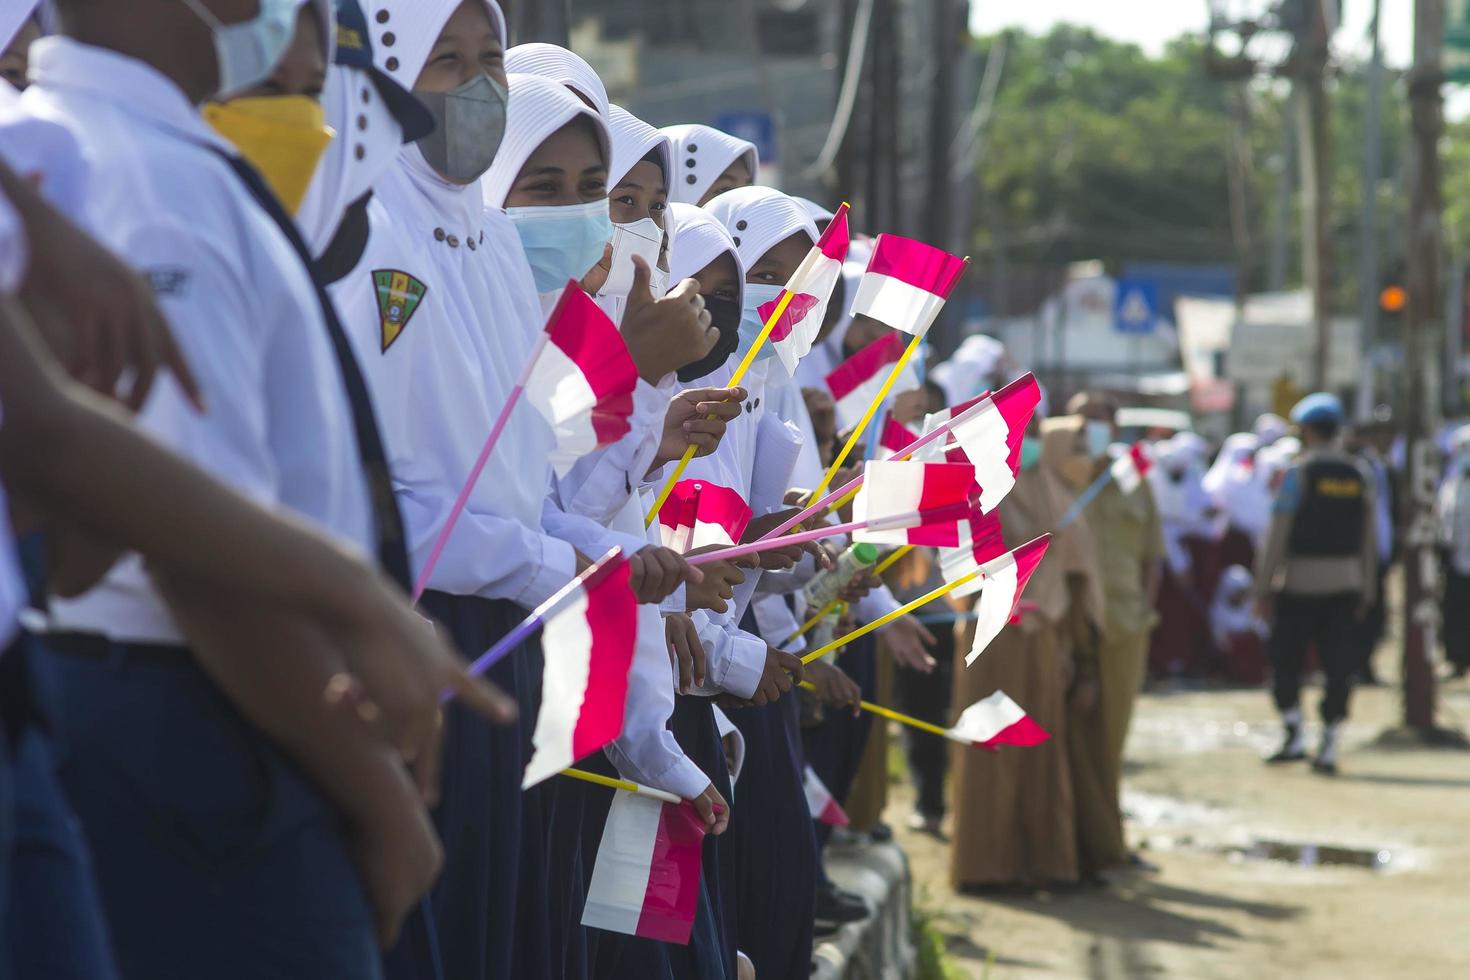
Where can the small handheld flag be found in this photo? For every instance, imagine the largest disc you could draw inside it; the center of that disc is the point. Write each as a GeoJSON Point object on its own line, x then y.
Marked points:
{"type": "Point", "coordinates": [1005, 580]}
{"type": "Point", "coordinates": [906, 284]}
{"type": "Point", "coordinates": [582, 383]}
{"type": "Point", "coordinates": [902, 487]}
{"type": "Point", "coordinates": [1129, 469]}
{"type": "Point", "coordinates": [699, 513]}
{"type": "Point", "coordinates": [824, 807]}
{"type": "Point", "coordinates": [646, 878]}
{"type": "Point", "coordinates": [588, 645]}
{"type": "Point", "coordinates": [989, 430]}
{"type": "Point", "coordinates": [856, 382]}
{"type": "Point", "coordinates": [580, 377]}
{"type": "Point", "coordinates": [997, 720]}
{"type": "Point", "coordinates": [896, 438]}
{"type": "Point", "coordinates": [981, 541]}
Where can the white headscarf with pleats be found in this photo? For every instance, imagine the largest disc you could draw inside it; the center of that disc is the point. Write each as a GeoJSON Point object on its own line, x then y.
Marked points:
{"type": "Point", "coordinates": [538, 108]}
{"type": "Point", "coordinates": [560, 65]}
{"type": "Point", "coordinates": [701, 154]}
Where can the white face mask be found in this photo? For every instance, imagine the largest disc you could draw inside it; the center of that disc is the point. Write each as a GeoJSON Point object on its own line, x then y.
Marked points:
{"type": "Point", "coordinates": [658, 282]}
{"type": "Point", "coordinates": [642, 237]}
{"type": "Point", "coordinates": [249, 51]}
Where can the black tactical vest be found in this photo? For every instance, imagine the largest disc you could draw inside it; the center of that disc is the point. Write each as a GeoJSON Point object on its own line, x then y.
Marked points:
{"type": "Point", "coordinates": [1329, 518]}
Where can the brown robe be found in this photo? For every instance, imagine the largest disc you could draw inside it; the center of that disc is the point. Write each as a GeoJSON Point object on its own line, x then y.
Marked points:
{"type": "Point", "coordinates": [1016, 816]}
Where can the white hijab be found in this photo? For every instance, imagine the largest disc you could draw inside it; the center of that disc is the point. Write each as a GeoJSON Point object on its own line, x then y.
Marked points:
{"type": "Point", "coordinates": [632, 140]}
{"type": "Point", "coordinates": [759, 218]}
{"type": "Point", "coordinates": [404, 32]}
{"type": "Point", "coordinates": [560, 65]}
{"type": "Point", "coordinates": [695, 240]}
{"type": "Point", "coordinates": [1227, 619]}
{"type": "Point", "coordinates": [538, 108]}
{"type": "Point", "coordinates": [701, 154]}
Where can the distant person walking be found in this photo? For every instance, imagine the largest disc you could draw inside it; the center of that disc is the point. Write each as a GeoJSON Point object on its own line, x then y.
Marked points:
{"type": "Point", "coordinates": [1454, 528]}
{"type": "Point", "coordinates": [1317, 574]}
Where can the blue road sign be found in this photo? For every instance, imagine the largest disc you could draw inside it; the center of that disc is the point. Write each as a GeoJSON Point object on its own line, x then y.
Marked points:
{"type": "Point", "coordinates": [754, 126]}
{"type": "Point", "coordinates": [1136, 307]}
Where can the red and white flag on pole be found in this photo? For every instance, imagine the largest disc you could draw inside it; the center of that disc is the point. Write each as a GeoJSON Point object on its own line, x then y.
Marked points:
{"type": "Point", "coordinates": [1130, 468]}
{"type": "Point", "coordinates": [857, 380]}
{"type": "Point", "coordinates": [906, 283]}
{"type": "Point", "coordinates": [896, 438]}
{"type": "Point", "coordinates": [981, 541]}
{"type": "Point", "coordinates": [820, 801]}
{"type": "Point", "coordinates": [906, 502]}
{"type": "Point", "coordinates": [699, 513]}
{"type": "Point", "coordinates": [588, 644]}
{"type": "Point", "coordinates": [989, 430]}
{"type": "Point", "coordinates": [646, 879]}
{"type": "Point", "coordinates": [997, 720]}
{"type": "Point", "coordinates": [811, 288]}
{"type": "Point", "coordinates": [582, 379]}
{"type": "Point", "coordinates": [1005, 580]}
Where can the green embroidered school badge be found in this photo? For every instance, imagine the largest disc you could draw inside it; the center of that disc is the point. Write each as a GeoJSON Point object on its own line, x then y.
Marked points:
{"type": "Point", "coordinates": [399, 295]}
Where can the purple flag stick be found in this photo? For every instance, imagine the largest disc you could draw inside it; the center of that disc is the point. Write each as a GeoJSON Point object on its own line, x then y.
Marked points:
{"type": "Point", "coordinates": [538, 618]}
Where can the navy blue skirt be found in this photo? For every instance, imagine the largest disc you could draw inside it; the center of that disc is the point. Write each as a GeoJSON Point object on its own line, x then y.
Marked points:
{"type": "Point", "coordinates": [773, 856]}
{"type": "Point", "coordinates": [710, 954]}
{"type": "Point", "coordinates": [480, 913]}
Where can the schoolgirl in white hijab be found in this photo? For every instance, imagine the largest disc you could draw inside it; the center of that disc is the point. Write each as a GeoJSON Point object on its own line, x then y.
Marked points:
{"type": "Point", "coordinates": [708, 163]}
{"type": "Point", "coordinates": [443, 311]}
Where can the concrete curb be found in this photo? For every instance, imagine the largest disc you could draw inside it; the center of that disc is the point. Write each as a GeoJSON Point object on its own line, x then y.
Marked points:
{"type": "Point", "coordinates": [879, 947]}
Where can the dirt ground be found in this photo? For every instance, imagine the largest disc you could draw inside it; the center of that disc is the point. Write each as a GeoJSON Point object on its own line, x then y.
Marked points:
{"type": "Point", "coordinates": [1206, 811]}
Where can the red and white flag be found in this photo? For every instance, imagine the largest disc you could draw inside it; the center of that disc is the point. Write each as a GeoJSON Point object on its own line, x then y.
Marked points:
{"type": "Point", "coordinates": [646, 879]}
{"type": "Point", "coordinates": [906, 284]}
{"type": "Point", "coordinates": [989, 430]}
{"type": "Point", "coordinates": [588, 645]}
{"type": "Point", "coordinates": [1005, 580]}
{"type": "Point", "coordinates": [857, 380]}
{"type": "Point", "coordinates": [582, 379]}
{"type": "Point", "coordinates": [896, 438]}
{"type": "Point", "coordinates": [820, 801]}
{"type": "Point", "coordinates": [699, 513]}
{"type": "Point", "coordinates": [981, 541]}
{"type": "Point", "coordinates": [811, 288]}
{"type": "Point", "coordinates": [906, 502]}
{"type": "Point", "coordinates": [997, 720]}
{"type": "Point", "coordinates": [1130, 468]}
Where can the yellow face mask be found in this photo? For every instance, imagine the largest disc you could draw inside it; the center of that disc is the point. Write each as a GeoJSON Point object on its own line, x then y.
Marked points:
{"type": "Point", "coordinates": [283, 136]}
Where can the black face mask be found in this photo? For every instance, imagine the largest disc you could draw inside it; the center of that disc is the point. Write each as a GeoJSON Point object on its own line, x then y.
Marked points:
{"type": "Point", "coordinates": [724, 314]}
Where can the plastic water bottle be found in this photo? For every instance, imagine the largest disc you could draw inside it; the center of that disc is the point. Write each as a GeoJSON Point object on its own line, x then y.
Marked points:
{"type": "Point", "coordinates": [826, 586]}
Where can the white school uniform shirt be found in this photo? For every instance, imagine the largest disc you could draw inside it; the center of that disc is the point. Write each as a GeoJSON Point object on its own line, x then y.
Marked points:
{"type": "Point", "coordinates": [278, 426]}
{"type": "Point", "coordinates": [43, 153]}
{"type": "Point", "coordinates": [442, 311]}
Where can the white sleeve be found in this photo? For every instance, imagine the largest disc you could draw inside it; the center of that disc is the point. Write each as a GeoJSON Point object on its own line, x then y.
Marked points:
{"type": "Point", "coordinates": [600, 483]}
{"type": "Point", "coordinates": [734, 660]}
{"type": "Point", "coordinates": [646, 751]}
{"type": "Point", "coordinates": [587, 536]}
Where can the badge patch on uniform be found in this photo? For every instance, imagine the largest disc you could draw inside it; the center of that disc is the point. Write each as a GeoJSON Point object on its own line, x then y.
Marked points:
{"type": "Point", "coordinates": [399, 295]}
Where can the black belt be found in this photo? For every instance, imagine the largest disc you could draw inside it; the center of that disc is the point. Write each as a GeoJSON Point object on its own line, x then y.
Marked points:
{"type": "Point", "coordinates": [95, 646]}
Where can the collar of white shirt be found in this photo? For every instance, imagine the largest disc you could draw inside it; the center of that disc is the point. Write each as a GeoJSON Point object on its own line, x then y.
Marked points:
{"type": "Point", "coordinates": [131, 85]}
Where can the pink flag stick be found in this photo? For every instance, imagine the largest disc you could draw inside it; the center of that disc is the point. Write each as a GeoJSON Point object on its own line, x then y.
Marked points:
{"type": "Point", "coordinates": [479, 467]}
{"type": "Point", "coordinates": [937, 515]}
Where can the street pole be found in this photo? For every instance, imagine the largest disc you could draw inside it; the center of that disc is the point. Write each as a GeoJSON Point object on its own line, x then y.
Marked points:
{"type": "Point", "coordinates": [1368, 273]}
{"type": "Point", "coordinates": [1313, 130]}
{"type": "Point", "coordinates": [1423, 250]}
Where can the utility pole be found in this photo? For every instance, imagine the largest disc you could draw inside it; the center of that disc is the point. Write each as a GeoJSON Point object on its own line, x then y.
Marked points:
{"type": "Point", "coordinates": [1313, 129]}
{"type": "Point", "coordinates": [1281, 216]}
{"type": "Point", "coordinates": [1368, 272]}
{"type": "Point", "coordinates": [1423, 249]}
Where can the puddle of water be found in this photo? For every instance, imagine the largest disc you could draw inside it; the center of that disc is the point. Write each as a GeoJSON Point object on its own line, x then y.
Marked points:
{"type": "Point", "coordinates": [1307, 855]}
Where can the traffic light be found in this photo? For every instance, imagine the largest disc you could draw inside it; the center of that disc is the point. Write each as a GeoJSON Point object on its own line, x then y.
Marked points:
{"type": "Point", "coordinates": [1393, 299]}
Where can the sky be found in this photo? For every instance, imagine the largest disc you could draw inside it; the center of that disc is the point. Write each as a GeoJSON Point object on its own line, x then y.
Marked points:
{"type": "Point", "coordinates": [1151, 23]}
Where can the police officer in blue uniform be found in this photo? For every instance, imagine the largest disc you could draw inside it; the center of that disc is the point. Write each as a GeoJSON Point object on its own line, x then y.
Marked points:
{"type": "Point", "coordinates": [1318, 574]}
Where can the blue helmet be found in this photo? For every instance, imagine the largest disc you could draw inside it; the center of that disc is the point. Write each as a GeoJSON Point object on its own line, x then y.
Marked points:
{"type": "Point", "coordinates": [1318, 408]}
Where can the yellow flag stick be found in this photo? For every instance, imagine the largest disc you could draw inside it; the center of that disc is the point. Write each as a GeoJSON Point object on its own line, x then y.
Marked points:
{"type": "Point", "coordinates": [626, 785]}
{"type": "Point", "coordinates": [878, 569]}
{"type": "Point", "coordinates": [749, 359]}
{"type": "Point", "coordinates": [900, 717]}
{"type": "Point", "coordinates": [852, 440]}
{"type": "Point", "coordinates": [883, 621]}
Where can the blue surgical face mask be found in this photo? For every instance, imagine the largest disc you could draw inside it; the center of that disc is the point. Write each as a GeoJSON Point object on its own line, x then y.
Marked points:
{"type": "Point", "coordinates": [563, 242]}
{"type": "Point", "coordinates": [751, 321]}
{"type": "Point", "coordinates": [1099, 437]}
{"type": "Point", "coordinates": [1030, 453]}
{"type": "Point", "coordinates": [249, 51]}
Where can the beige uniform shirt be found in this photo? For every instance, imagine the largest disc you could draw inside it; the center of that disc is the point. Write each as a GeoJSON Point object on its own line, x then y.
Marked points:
{"type": "Point", "coordinates": [1130, 543]}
